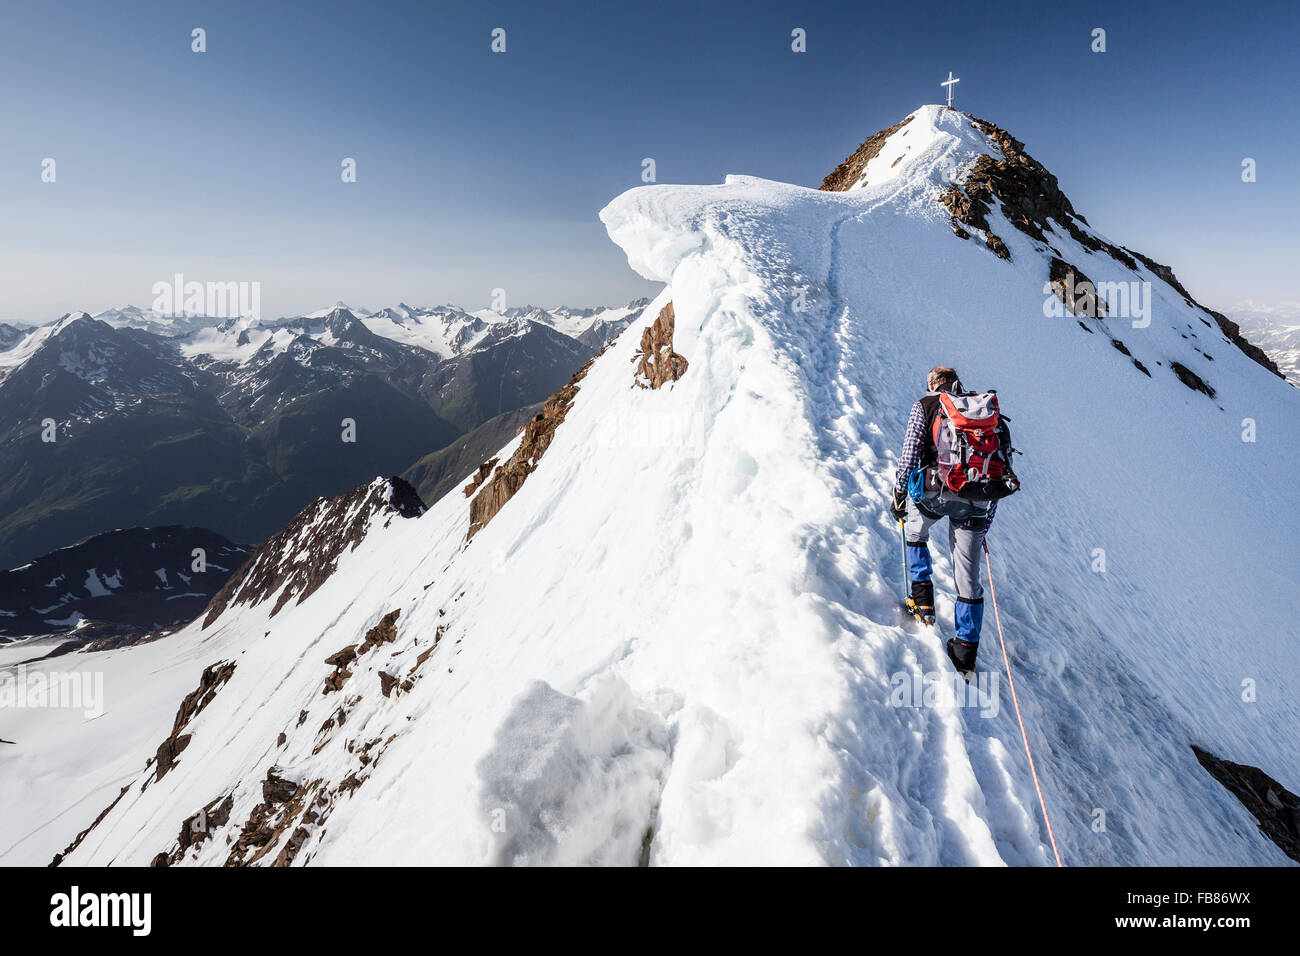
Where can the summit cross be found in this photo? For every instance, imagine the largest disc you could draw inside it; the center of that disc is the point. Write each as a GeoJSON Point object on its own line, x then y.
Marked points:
{"type": "Point", "coordinates": [949, 84]}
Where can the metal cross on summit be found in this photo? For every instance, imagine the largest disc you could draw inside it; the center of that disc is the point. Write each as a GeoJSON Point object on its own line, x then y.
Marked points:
{"type": "Point", "coordinates": [949, 83]}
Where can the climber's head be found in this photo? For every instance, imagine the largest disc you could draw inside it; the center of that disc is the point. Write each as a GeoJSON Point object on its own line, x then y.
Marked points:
{"type": "Point", "coordinates": [942, 379]}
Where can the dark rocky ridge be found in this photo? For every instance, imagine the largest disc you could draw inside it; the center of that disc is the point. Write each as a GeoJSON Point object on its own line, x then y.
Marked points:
{"type": "Point", "coordinates": [127, 582]}
{"type": "Point", "coordinates": [301, 557]}
{"type": "Point", "coordinates": [1075, 290]}
{"type": "Point", "coordinates": [1275, 807]}
{"type": "Point", "coordinates": [491, 493]}
{"type": "Point", "coordinates": [1191, 379]}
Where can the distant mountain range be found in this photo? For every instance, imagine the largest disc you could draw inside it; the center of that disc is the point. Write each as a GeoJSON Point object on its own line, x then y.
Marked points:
{"type": "Point", "coordinates": [1275, 329]}
{"type": "Point", "coordinates": [131, 418]}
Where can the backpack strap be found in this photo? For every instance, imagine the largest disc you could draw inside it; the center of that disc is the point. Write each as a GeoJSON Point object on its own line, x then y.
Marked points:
{"type": "Point", "coordinates": [930, 404]}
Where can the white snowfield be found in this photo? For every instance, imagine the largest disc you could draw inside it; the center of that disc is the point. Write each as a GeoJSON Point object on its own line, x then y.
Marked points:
{"type": "Point", "coordinates": [680, 642]}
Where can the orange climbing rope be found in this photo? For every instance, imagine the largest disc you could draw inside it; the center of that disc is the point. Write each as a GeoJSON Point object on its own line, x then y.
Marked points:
{"type": "Point", "coordinates": [1016, 701]}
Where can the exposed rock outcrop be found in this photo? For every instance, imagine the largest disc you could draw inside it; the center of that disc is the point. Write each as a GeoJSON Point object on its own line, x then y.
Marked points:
{"type": "Point", "coordinates": [1229, 328]}
{"type": "Point", "coordinates": [385, 632]}
{"type": "Point", "coordinates": [1191, 379]}
{"type": "Point", "coordinates": [286, 807]}
{"type": "Point", "coordinates": [1027, 191]}
{"type": "Point", "coordinates": [214, 675]}
{"type": "Point", "coordinates": [58, 857]}
{"type": "Point", "coordinates": [198, 827]}
{"type": "Point", "coordinates": [1275, 807]}
{"type": "Point", "coordinates": [1233, 331]}
{"type": "Point", "coordinates": [509, 477]}
{"type": "Point", "coordinates": [1075, 290]}
{"type": "Point", "coordinates": [212, 679]}
{"type": "Point", "coordinates": [657, 363]}
{"type": "Point", "coordinates": [283, 802]}
{"type": "Point", "coordinates": [1030, 197]}
{"type": "Point", "coordinates": [972, 210]}
{"type": "Point", "coordinates": [480, 476]}
{"type": "Point", "coordinates": [339, 660]}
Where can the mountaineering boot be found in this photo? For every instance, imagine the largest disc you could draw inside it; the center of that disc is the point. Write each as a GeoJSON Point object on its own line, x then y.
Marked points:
{"type": "Point", "coordinates": [962, 654]}
{"type": "Point", "coordinates": [921, 603]}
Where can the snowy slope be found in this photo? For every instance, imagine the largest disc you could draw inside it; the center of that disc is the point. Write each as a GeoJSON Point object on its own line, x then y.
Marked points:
{"type": "Point", "coordinates": [679, 643]}
{"type": "Point", "coordinates": [30, 343]}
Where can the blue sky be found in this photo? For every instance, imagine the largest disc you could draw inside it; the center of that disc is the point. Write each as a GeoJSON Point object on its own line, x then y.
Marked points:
{"type": "Point", "coordinates": [479, 170]}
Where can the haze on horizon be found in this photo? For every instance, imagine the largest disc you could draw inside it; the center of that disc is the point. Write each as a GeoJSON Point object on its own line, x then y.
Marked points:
{"type": "Point", "coordinates": [479, 171]}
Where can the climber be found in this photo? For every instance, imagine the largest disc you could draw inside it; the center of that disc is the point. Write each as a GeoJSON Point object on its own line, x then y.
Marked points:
{"type": "Point", "coordinates": [956, 464]}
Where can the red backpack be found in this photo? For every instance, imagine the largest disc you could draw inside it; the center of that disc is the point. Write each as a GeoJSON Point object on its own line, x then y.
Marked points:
{"type": "Point", "coordinates": [974, 447]}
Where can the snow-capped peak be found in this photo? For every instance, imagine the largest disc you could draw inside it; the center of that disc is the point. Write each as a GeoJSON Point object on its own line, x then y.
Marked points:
{"type": "Point", "coordinates": [336, 307]}
{"type": "Point", "coordinates": [932, 142]}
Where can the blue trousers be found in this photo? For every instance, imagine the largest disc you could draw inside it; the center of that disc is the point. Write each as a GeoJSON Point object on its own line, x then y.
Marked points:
{"type": "Point", "coordinates": [965, 541]}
